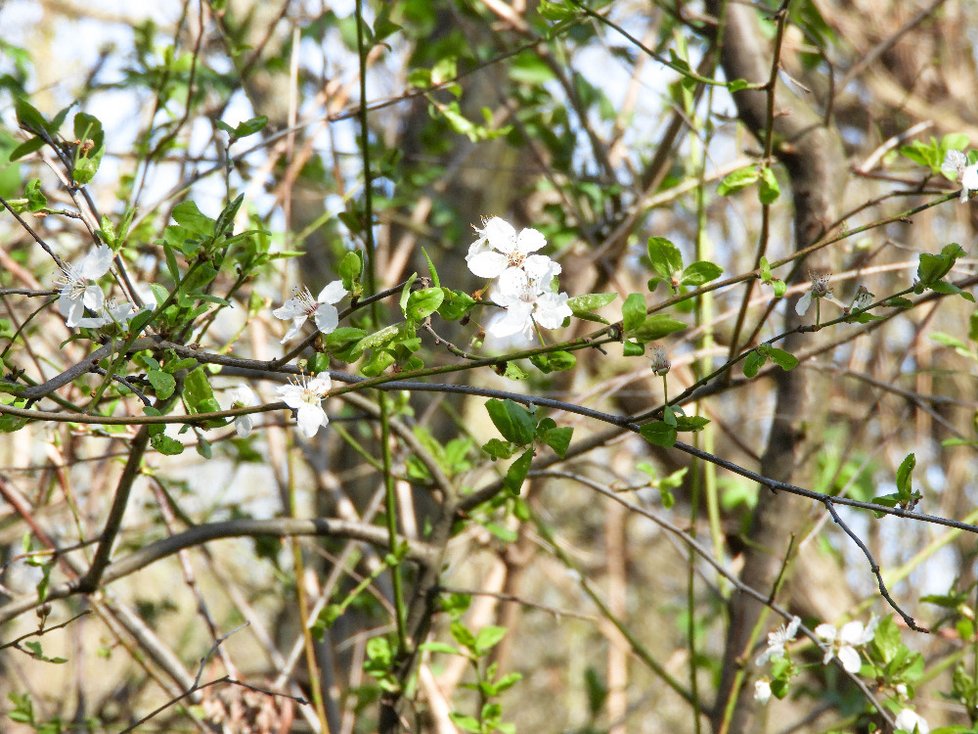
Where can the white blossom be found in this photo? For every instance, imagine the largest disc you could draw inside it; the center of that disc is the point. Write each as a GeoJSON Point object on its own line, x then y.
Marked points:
{"type": "Point", "coordinates": [956, 166]}
{"type": "Point", "coordinates": [910, 721]}
{"type": "Point", "coordinates": [305, 397]}
{"type": "Point", "coordinates": [527, 300]}
{"type": "Point", "coordinates": [778, 639]}
{"type": "Point", "coordinates": [303, 306]}
{"type": "Point", "coordinates": [762, 690]}
{"type": "Point", "coordinates": [499, 252]}
{"type": "Point", "coordinates": [820, 289]}
{"type": "Point", "coordinates": [242, 396]}
{"type": "Point", "coordinates": [77, 290]}
{"type": "Point", "coordinates": [843, 643]}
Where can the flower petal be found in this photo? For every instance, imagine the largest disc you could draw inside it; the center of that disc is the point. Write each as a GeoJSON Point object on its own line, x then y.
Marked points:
{"type": "Point", "coordinates": [243, 425]}
{"type": "Point", "coordinates": [551, 309]}
{"type": "Point", "coordinates": [310, 418]}
{"type": "Point", "coordinates": [96, 263]}
{"type": "Point", "coordinates": [327, 318]}
{"type": "Point", "coordinates": [850, 659]}
{"type": "Point", "coordinates": [291, 395]}
{"type": "Point", "coordinates": [332, 292]}
{"type": "Point", "coordinates": [499, 234]}
{"type": "Point", "coordinates": [530, 240]}
{"type": "Point", "coordinates": [517, 320]}
{"type": "Point", "coordinates": [826, 632]}
{"type": "Point", "coordinates": [804, 303]}
{"type": "Point", "coordinates": [487, 264]}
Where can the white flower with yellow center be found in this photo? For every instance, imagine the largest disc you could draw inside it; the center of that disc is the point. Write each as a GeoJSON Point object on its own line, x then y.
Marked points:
{"type": "Point", "coordinates": [842, 643]}
{"type": "Point", "coordinates": [303, 306]}
{"type": "Point", "coordinates": [527, 301]}
{"type": "Point", "coordinates": [500, 252]}
{"type": "Point", "coordinates": [305, 397]}
{"type": "Point", "coordinates": [77, 290]}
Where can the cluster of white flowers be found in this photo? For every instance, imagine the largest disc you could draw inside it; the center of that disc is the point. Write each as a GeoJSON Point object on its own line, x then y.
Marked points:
{"type": "Point", "coordinates": [522, 279]}
{"type": "Point", "coordinates": [305, 395]}
{"type": "Point", "coordinates": [79, 293]}
{"type": "Point", "coordinates": [841, 643]}
{"type": "Point", "coordinates": [956, 166]}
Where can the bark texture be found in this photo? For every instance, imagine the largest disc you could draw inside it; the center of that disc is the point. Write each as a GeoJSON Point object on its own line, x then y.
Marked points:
{"type": "Point", "coordinates": [813, 156]}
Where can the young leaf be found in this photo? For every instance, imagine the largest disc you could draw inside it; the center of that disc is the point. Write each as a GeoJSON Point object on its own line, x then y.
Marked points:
{"type": "Point", "coordinates": [655, 327]}
{"type": "Point", "coordinates": [512, 420]}
{"type": "Point", "coordinates": [737, 180]}
{"type": "Point", "coordinates": [517, 472]}
{"type": "Point", "coordinates": [785, 360]}
{"type": "Point", "coordinates": [665, 257]}
{"type": "Point", "coordinates": [423, 303]}
{"type": "Point", "coordinates": [554, 361]}
{"type": "Point", "coordinates": [769, 190]}
{"type": "Point", "coordinates": [753, 363]}
{"type": "Point", "coordinates": [659, 433]}
{"type": "Point", "coordinates": [904, 474]}
{"type": "Point", "coordinates": [700, 272]}
{"type": "Point", "coordinates": [633, 312]}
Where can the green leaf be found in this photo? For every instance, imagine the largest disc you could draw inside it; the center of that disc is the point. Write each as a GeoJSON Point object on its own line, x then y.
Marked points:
{"type": "Point", "coordinates": [553, 361]}
{"type": "Point", "coordinates": [558, 439]}
{"type": "Point", "coordinates": [406, 292]}
{"type": "Point", "coordinates": [28, 117]}
{"type": "Point", "coordinates": [692, 423]}
{"type": "Point", "coordinates": [442, 647]}
{"type": "Point", "coordinates": [88, 155]}
{"type": "Point", "coordinates": [512, 420]}
{"type": "Point", "coordinates": [589, 302]}
{"type": "Point", "coordinates": [905, 473]}
{"type": "Point", "coordinates": [36, 200]}
{"type": "Point", "coordinates": [379, 361]}
{"type": "Point", "coordinates": [166, 445]}
{"type": "Point", "coordinates": [163, 383]}
{"type": "Point", "coordinates": [431, 269]}
{"type": "Point", "coordinates": [377, 339]}
{"type": "Point", "coordinates": [934, 267]}
{"type": "Point", "coordinates": [422, 303]}
{"type": "Point", "coordinates": [487, 638]}
{"type": "Point", "coordinates": [350, 267]}
{"type": "Point", "coordinates": [514, 372]}
{"type": "Point", "coordinates": [753, 363]}
{"type": "Point", "coordinates": [497, 449]}
{"type": "Point", "coordinates": [187, 215]}
{"type": "Point", "coordinates": [530, 68]}
{"type": "Point", "coordinates": [700, 272]}
{"type": "Point", "coordinates": [517, 472]}
{"type": "Point", "coordinates": [455, 305]}
{"type": "Point", "coordinates": [632, 348]}
{"type": "Point", "coordinates": [665, 257]}
{"type": "Point", "coordinates": [785, 360]}
{"type": "Point", "coordinates": [633, 312]}
{"type": "Point", "coordinates": [26, 148]}
{"type": "Point", "coordinates": [248, 127]}
{"type": "Point", "coordinates": [659, 433]}
{"type": "Point", "coordinates": [739, 179]}
{"type": "Point", "coordinates": [655, 327]}
{"type": "Point", "coordinates": [199, 397]}
{"type": "Point", "coordinates": [557, 12]}
{"type": "Point", "coordinates": [769, 190]}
